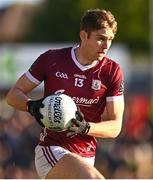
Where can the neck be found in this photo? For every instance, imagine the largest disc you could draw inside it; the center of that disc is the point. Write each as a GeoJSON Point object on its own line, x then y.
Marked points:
{"type": "Point", "coordinates": [82, 58]}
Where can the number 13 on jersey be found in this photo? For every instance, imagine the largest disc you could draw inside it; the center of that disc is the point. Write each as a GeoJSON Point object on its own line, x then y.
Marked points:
{"type": "Point", "coordinates": [79, 82]}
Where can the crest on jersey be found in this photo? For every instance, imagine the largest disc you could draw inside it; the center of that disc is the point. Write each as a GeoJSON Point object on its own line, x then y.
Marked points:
{"type": "Point", "coordinates": [96, 84]}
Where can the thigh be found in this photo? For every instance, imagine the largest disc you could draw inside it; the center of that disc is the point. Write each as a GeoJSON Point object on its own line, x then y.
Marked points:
{"type": "Point", "coordinates": [46, 157]}
{"type": "Point", "coordinates": [72, 166]}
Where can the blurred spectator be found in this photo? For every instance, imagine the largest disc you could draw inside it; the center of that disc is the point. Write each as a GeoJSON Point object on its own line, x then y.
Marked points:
{"type": "Point", "coordinates": [17, 143]}
{"type": "Point", "coordinates": [137, 118]}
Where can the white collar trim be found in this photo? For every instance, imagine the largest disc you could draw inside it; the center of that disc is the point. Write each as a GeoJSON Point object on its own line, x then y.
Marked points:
{"type": "Point", "coordinates": [80, 66]}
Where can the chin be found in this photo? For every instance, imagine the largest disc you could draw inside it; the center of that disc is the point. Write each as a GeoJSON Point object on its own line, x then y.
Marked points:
{"type": "Point", "coordinates": [100, 58]}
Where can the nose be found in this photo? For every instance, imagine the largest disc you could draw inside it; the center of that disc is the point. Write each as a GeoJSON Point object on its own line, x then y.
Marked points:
{"type": "Point", "coordinates": [104, 45]}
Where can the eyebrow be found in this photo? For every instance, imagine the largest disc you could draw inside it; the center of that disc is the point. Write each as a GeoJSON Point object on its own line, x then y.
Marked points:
{"type": "Point", "coordinates": [101, 35]}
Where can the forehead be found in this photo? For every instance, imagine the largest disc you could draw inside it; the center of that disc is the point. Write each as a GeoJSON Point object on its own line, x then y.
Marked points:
{"type": "Point", "coordinates": [104, 32]}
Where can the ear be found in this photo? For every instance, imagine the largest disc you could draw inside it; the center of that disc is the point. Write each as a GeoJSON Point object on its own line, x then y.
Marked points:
{"type": "Point", "coordinates": [83, 35]}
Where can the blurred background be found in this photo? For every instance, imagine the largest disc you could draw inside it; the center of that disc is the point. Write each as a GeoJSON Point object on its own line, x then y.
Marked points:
{"type": "Point", "coordinates": [30, 27]}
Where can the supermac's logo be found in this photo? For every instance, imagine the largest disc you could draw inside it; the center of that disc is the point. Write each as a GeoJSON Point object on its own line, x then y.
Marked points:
{"type": "Point", "coordinates": [85, 101]}
{"type": "Point", "coordinates": [82, 101]}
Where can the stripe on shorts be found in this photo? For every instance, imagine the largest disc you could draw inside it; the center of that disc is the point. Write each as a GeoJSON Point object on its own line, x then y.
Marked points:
{"type": "Point", "coordinates": [49, 156]}
{"type": "Point", "coordinates": [52, 154]}
{"type": "Point", "coordinates": [46, 156]}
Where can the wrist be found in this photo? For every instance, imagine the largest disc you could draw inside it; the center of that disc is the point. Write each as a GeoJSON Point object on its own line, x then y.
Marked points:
{"type": "Point", "coordinates": [87, 128]}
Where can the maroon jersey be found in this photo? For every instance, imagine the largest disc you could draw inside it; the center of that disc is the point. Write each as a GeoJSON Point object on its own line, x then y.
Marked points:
{"type": "Point", "coordinates": [89, 86]}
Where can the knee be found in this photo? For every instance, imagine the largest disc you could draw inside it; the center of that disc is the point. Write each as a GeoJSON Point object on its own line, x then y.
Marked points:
{"type": "Point", "coordinates": [86, 170]}
{"type": "Point", "coordinates": [93, 173]}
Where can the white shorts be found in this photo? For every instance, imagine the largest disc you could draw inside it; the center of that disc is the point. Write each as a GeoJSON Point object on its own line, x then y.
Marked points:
{"type": "Point", "coordinates": [47, 156]}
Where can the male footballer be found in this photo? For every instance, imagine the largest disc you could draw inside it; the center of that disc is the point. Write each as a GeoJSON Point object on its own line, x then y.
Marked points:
{"type": "Point", "coordinates": [94, 81]}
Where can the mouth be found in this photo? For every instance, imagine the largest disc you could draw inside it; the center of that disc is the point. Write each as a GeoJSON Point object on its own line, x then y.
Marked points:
{"type": "Point", "coordinates": [101, 53]}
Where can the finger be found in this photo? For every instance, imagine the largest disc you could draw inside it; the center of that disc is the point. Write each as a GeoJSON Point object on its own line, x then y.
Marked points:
{"type": "Point", "coordinates": [71, 134]}
{"type": "Point", "coordinates": [40, 116]}
{"type": "Point", "coordinates": [74, 129]}
{"type": "Point", "coordinates": [78, 109]}
{"type": "Point", "coordinates": [73, 123]}
{"type": "Point", "coordinates": [78, 123]}
{"type": "Point", "coordinates": [79, 116]}
{"type": "Point", "coordinates": [42, 105]}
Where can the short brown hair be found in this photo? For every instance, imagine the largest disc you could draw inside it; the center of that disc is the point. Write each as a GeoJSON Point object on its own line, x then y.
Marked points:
{"type": "Point", "coordinates": [96, 19]}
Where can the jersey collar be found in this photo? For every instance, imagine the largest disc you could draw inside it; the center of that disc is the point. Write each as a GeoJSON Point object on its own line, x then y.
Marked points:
{"type": "Point", "coordinates": [80, 66]}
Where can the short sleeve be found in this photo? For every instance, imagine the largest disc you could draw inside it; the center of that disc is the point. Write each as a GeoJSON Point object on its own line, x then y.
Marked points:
{"type": "Point", "coordinates": [116, 86]}
{"type": "Point", "coordinates": [36, 72]}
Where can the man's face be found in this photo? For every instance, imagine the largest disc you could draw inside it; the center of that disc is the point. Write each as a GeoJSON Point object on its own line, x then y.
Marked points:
{"type": "Point", "coordinates": [97, 43]}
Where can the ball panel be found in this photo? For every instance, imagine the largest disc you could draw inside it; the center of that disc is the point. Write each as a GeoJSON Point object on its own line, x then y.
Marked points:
{"type": "Point", "coordinates": [58, 111]}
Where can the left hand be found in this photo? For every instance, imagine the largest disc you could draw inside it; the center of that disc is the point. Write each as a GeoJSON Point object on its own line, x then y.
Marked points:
{"type": "Point", "coordinates": [79, 125]}
{"type": "Point", "coordinates": [33, 107]}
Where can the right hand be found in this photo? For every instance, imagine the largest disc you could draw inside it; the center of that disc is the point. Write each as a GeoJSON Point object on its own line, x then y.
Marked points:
{"type": "Point", "coordinates": [79, 125]}
{"type": "Point", "coordinates": [33, 107]}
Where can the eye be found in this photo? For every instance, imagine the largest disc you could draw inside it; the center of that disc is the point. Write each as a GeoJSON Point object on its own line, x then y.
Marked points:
{"type": "Point", "coordinates": [101, 39]}
{"type": "Point", "coordinates": [110, 39]}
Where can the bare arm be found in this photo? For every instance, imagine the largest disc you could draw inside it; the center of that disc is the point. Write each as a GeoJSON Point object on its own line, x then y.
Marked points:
{"type": "Point", "coordinates": [111, 127]}
{"type": "Point", "coordinates": [17, 96]}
